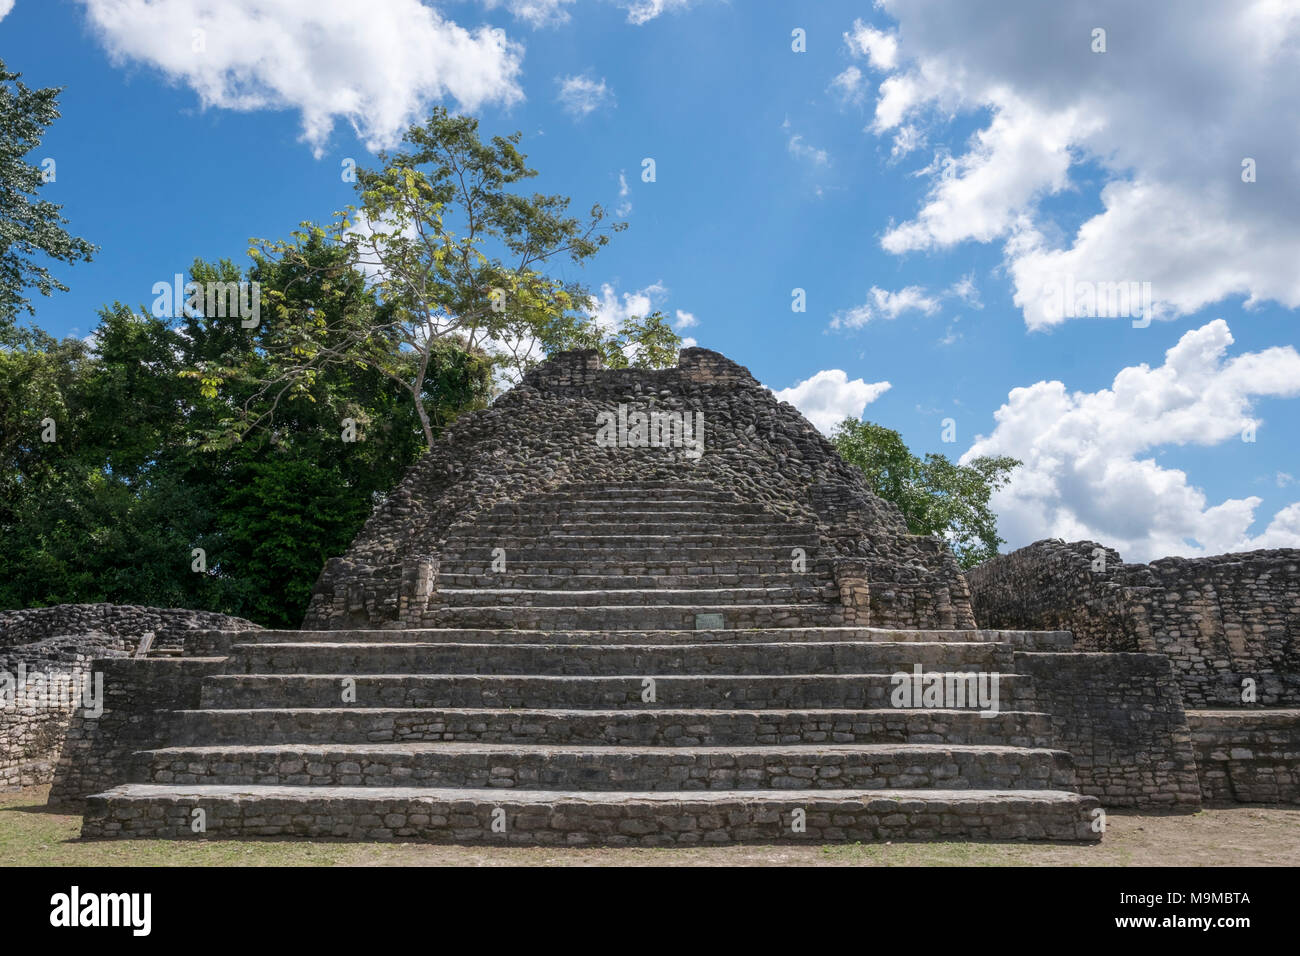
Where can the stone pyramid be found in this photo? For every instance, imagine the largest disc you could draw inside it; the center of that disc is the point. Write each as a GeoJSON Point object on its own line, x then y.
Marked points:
{"type": "Point", "coordinates": [619, 607]}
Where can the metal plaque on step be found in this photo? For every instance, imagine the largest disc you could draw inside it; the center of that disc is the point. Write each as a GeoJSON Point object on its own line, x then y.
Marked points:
{"type": "Point", "coordinates": [709, 622]}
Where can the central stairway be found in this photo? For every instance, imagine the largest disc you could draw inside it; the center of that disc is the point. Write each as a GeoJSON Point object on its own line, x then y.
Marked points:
{"type": "Point", "coordinates": [651, 664]}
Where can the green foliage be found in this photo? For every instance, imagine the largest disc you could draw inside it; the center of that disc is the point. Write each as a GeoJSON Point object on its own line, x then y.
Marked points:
{"type": "Point", "coordinates": [142, 472]}
{"type": "Point", "coordinates": [456, 252]}
{"type": "Point", "coordinates": [936, 495]}
{"type": "Point", "coordinates": [29, 227]}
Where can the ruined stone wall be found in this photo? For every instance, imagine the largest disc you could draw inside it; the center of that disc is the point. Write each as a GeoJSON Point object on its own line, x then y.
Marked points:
{"type": "Point", "coordinates": [1219, 619]}
{"type": "Point", "coordinates": [1247, 756]}
{"type": "Point", "coordinates": [46, 654]}
{"type": "Point", "coordinates": [141, 698]}
{"type": "Point", "coordinates": [38, 682]}
{"type": "Point", "coordinates": [541, 436]}
{"type": "Point", "coordinates": [1121, 717]}
{"type": "Point", "coordinates": [129, 622]}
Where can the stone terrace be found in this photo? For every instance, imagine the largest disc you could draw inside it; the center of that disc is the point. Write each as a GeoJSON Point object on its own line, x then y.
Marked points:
{"type": "Point", "coordinates": [570, 698]}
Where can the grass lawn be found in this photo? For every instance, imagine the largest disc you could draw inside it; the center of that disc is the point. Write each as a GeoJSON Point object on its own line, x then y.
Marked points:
{"type": "Point", "coordinates": [30, 835]}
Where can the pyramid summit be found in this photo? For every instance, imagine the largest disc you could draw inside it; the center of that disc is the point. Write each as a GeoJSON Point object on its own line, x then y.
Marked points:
{"type": "Point", "coordinates": [705, 423]}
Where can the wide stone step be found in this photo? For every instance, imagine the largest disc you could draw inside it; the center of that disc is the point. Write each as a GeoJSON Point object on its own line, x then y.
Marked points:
{"type": "Point", "coordinates": [536, 597]}
{"type": "Point", "coordinates": [218, 643]}
{"type": "Point", "coordinates": [619, 818]}
{"type": "Point", "coordinates": [597, 523]}
{"type": "Point", "coordinates": [509, 578]}
{"type": "Point", "coordinates": [634, 692]}
{"type": "Point", "coordinates": [687, 510]}
{"type": "Point", "coordinates": [633, 523]}
{"type": "Point", "coordinates": [551, 767]}
{"type": "Point", "coordinates": [834, 657]}
{"type": "Point", "coordinates": [613, 617]}
{"type": "Point", "coordinates": [646, 728]}
{"type": "Point", "coordinates": [601, 564]}
{"type": "Point", "coordinates": [635, 490]}
{"type": "Point", "coordinates": [616, 539]}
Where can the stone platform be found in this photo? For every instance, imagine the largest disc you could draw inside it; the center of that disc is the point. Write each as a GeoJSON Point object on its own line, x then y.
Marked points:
{"type": "Point", "coordinates": [603, 716]}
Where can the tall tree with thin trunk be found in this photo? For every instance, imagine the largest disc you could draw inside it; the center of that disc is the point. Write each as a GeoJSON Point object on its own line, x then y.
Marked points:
{"type": "Point", "coordinates": [455, 251]}
{"type": "Point", "coordinates": [31, 229]}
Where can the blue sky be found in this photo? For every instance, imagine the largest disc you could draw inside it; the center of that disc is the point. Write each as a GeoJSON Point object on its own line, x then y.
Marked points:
{"type": "Point", "coordinates": [922, 170]}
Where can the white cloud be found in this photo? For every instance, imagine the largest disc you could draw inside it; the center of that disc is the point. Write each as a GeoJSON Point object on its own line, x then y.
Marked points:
{"type": "Point", "coordinates": [685, 320]}
{"type": "Point", "coordinates": [643, 11]}
{"type": "Point", "coordinates": [964, 289]}
{"type": "Point", "coordinates": [907, 139]}
{"type": "Point", "coordinates": [880, 48]}
{"type": "Point", "coordinates": [801, 150]}
{"type": "Point", "coordinates": [536, 13]}
{"type": "Point", "coordinates": [850, 86]}
{"type": "Point", "coordinates": [5, 7]}
{"type": "Point", "coordinates": [376, 66]}
{"type": "Point", "coordinates": [882, 304]}
{"type": "Point", "coordinates": [829, 397]}
{"type": "Point", "coordinates": [624, 191]}
{"type": "Point", "coordinates": [1168, 114]}
{"type": "Point", "coordinates": [581, 95]}
{"type": "Point", "coordinates": [1088, 470]}
{"type": "Point", "coordinates": [610, 310]}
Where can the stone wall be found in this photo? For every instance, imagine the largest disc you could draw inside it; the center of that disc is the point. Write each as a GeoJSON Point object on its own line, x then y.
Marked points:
{"type": "Point", "coordinates": [39, 684]}
{"type": "Point", "coordinates": [541, 436]}
{"type": "Point", "coordinates": [141, 697]}
{"type": "Point", "coordinates": [1247, 756]}
{"type": "Point", "coordinates": [1220, 620]}
{"type": "Point", "coordinates": [46, 658]}
{"type": "Point", "coordinates": [1121, 717]}
{"type": "Point", "coordinates": [129, 622]}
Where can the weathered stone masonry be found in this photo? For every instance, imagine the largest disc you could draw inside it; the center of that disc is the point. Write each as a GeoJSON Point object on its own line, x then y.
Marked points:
{"type": "Point", "coordinates": [541, 436]}
{"type": "Point", "coordinates": [62, 642]}
{"type": "Point", "coordinates": [1219, 620]}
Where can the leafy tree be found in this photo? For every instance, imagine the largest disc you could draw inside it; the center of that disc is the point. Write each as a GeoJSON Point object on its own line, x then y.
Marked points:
{"type": "Point", "coordinates": [112, 510]}
{"type": "Point", "coordinates": [936, 495]}
{"type": "Point", "coordinates": [28, 226]}
{"type": "Point", "coordinates": [455, 251]}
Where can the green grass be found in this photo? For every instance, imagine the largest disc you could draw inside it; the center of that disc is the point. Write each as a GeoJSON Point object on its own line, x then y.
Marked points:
{"type": "Point", "coordinates": [32, 835]}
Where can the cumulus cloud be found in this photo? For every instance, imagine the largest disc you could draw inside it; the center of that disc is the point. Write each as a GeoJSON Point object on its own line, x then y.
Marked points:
{"type": "Point", "coordinates": [830, 396]}
{"type": "Point", "coordinates": [883, 304]}
{"type": "Point", "coordinates": [5, 7]}
{"type": "Point", "coordinates": [582, 95]}
{"type": "Point", "coordinates": [610, 309]}
{"type": "Point", "coordinates": [376, 66]}
{"type": "Point", "coordinates": [1182, 96]}
{"type": "Point", "coordinates": [1088, 469]}
{"type": "Point", "coordinates": [880, 48]}
{"type": "Point", "coordinates": [685, 320]}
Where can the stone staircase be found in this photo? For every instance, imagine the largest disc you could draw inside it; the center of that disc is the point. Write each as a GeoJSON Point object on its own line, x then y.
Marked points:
{"type": "Point", "coordinates": [649, 668]}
